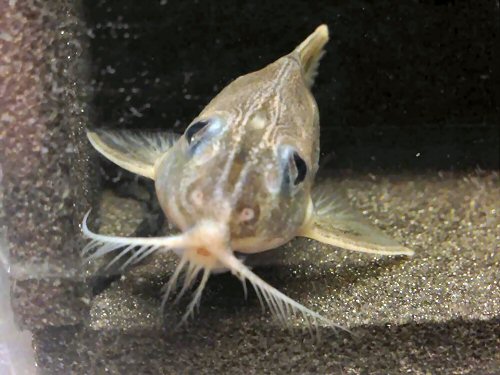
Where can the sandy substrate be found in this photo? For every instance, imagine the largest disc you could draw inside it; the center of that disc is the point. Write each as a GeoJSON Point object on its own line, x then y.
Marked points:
{"type": "Point", "coordinates": [437, 311]}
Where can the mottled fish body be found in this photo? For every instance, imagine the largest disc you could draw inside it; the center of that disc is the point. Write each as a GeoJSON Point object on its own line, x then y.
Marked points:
{"type": "Point", "coordinates": [241, 179]}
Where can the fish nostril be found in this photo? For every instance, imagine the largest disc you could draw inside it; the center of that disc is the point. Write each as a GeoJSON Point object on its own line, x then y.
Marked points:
{"type": "Point", "coordinates": [246, 214]}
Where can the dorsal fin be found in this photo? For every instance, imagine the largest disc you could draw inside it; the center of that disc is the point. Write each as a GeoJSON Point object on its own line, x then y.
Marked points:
{"type": "Point", "coordinates": [310, 52]}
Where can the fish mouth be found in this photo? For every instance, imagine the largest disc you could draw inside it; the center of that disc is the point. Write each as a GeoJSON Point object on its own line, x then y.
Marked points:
{"type": "Point", "coordinates": [205, 241]}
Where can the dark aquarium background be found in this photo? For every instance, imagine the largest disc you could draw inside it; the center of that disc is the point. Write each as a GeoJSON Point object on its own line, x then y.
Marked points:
{"type": "Point", "coordinates": [407, 84]}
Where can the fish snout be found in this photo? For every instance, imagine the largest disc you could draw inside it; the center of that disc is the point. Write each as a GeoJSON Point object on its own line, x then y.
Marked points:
{"type": "Point", "coordinates": [205, 241]}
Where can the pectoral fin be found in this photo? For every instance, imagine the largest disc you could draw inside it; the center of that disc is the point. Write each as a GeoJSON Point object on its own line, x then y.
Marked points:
{"type": "Point", "coordinates": [334, 222]}
{"type": "Point", "coordinates": [136, 152]}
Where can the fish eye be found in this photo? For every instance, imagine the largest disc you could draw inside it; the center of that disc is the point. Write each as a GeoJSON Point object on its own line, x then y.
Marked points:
{"type": "Point", "coordinates": [193, 129]}
{"type": "Point", "coordinates": [301, 167]}
{"type": "Point", "coordinates": [200, 132]}
{"type": "Point", "coordinates": [294, 166]}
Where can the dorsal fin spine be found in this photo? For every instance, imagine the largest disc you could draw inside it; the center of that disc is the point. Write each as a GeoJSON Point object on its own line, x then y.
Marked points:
{"type": "Point", "coordinates": [310, 52]}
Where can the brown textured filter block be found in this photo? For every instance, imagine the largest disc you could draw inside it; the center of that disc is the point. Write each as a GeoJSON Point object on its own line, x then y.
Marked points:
{"type": "Point", "coordinates": [42, 102]}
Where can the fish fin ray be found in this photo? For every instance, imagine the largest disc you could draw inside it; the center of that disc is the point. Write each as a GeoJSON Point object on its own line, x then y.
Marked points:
{"type": "Point", "coordinates": [336, 223]}
{"type": "Point", "coordinates": [135, 151]}
{"type": "Point", "coordinates": [310, 52]}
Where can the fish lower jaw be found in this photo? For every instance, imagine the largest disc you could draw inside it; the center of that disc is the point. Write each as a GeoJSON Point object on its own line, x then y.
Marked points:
{"type": "Point", "coordinates": [253, 245]}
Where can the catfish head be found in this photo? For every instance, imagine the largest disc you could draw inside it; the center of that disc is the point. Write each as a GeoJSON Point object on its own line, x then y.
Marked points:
{"type": "Point", "coordinates": [248, 160]}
